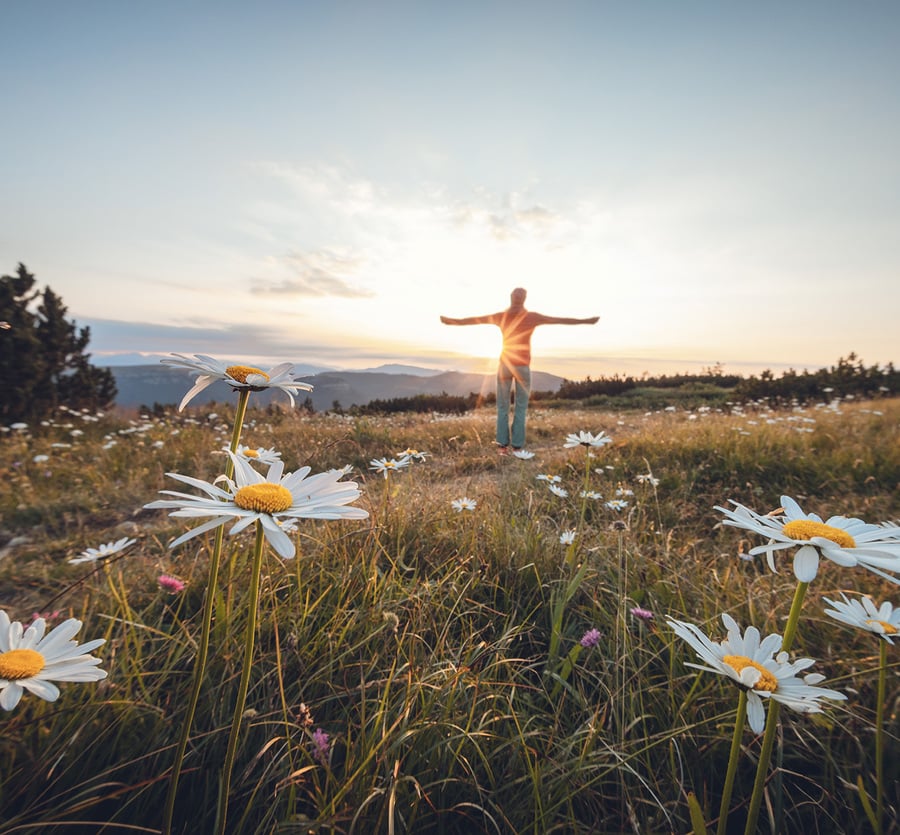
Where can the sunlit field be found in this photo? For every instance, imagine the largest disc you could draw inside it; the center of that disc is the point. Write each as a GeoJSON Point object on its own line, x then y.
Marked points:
{"type": "Point", "coordinates": [497, 665]}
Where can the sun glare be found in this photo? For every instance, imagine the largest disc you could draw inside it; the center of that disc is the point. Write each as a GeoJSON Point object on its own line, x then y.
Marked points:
{"type": "Point", "coordinates": [481, 341]}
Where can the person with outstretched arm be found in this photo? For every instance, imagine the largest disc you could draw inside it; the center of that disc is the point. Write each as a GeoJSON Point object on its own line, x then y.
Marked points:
{"type": "Point", "coordinates": [517, 325]}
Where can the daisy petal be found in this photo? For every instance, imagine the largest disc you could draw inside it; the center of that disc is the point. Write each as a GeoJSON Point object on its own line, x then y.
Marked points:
{"type": "Point", "coordinates": [756, 713]}
{"type": "Point", "coordinates": [806, 564]}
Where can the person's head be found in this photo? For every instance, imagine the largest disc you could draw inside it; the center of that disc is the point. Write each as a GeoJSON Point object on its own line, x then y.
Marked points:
{"type": "Point", "coordinates": [517, 297]}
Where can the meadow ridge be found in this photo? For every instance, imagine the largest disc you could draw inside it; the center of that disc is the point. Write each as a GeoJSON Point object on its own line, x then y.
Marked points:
{"type": "Point", "coordinates": [487, 651]}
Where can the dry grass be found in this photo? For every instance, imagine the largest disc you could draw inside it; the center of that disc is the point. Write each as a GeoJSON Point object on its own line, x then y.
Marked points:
{"type": "Point", "coordinates": [431, 645]}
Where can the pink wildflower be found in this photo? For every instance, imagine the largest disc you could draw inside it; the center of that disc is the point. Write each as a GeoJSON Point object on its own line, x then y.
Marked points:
{"type": "Point", "coordinates": [170, 584]}
{"type": "Point", "coordinates": [590, 638]}
{"type": "Point", "coordinates": [643, 614]}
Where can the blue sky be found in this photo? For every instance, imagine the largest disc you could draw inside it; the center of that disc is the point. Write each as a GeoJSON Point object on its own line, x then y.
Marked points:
{"type": "Point", "coordinates": [318, 182]}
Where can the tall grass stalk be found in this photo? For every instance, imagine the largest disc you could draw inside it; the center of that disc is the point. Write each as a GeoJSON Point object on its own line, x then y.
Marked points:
{"type": "Point", "coordinates": [622, 657]}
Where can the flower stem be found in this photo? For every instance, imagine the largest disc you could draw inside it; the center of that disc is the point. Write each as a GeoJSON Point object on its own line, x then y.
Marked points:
{"type": "Point", "coordinates": [570, 551]}
{"type": "Point", "coordinates": [879, 738]}
{"type": "Point", "coordinates": [794, 617]}
{"type": "Point", "coordinates": [765, 754]}
{"type": "Point", "coordinates": [209, 605]}
{"type": "Point", "coordinates": [586, 484]}
{"type": "Point", "coordinates": [732, 762]}
{"type": "Point", "coordinates": [249, 639]}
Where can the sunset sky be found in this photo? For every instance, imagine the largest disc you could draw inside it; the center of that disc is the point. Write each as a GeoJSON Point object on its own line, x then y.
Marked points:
{"type": "Point", "coordinates": [318, 182]}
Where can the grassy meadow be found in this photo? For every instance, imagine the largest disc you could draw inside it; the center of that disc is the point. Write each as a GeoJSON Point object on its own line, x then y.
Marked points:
{"type": "Point", "coordinates": [422, 671]}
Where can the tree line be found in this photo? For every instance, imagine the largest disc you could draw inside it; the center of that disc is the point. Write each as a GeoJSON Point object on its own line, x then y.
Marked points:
{"type": "Point", "coordinates": [443, 403]}
{"type": "Point", "coordinates": [619, 384]}
{"type": "Point", "coordinates": [848, 377]}
{"type": "Point", "coordinates": [43, 364]}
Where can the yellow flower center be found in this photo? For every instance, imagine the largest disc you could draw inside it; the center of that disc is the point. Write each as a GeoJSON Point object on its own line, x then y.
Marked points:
{"type": "Point", "coordinates": [251, 453]}
{"type": "Point", "coordinates": [240, 372]}
{"type": "Point", "coordinates": [766, 681]}
{"type": "Point", "coordinates": [20, 663]}
{"type": "Point", "coordinates": [889, 628]}
{"type": "Point", "coordinates": [264, 498]}
{"type": "Point", "coordinates": [807, 529]}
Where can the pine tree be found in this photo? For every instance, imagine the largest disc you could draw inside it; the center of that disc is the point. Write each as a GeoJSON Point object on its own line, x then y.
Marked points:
{"type": "Point", "coordinates": [21, 363]}
{"type": "Point", "coordinates": [43, 363]}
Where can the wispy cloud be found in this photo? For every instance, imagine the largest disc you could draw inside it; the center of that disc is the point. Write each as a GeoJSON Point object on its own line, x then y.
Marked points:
{"type": "Point", "coordinates": [505, 220]}
{"type": "Point", "coordinates": [321, 272]}
{"type": "Point", "coordinates": [325, 186]}
{"type": "Point", "coordinates": [224, 339]}
{"type": "Point", "coordinates": [343, 197]}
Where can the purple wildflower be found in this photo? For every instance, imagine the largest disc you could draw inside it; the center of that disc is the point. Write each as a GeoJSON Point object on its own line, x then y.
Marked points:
{"type": "Point", "coordinates": [643, 614]}
{"type": "Point", "coordinates": [321, 746]}
{"type": "Point", "coordinates": [590, 638]}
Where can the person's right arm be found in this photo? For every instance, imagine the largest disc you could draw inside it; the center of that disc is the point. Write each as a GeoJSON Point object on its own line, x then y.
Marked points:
{"type": "Point", "coordinates": [565, 320]}
{"type": "Point", "coordinates": [469, 320]}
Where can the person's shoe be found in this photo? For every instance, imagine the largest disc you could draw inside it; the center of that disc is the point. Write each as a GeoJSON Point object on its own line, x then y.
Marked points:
{"type": "Point", "coordinates": [503, 450]}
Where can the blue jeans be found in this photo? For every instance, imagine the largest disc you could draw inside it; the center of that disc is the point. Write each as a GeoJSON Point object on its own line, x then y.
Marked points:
{"type": "Point", "coordinates": [506, 375]}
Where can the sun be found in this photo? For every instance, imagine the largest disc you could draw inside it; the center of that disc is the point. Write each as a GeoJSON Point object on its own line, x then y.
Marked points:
{"type": "Point", "coordinates": [481, 341]}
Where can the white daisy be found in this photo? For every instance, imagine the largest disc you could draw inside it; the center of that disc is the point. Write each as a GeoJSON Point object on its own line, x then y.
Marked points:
{"type": "Point", "coordinates": [556, 490]}
{"type": "Point", "coordinates": [590, 494]}
{"type": "Point", "coordinates": [759, 667]}
{"type": "Point", "coordinates": [104, 551]}
{"type": "Point", "coordinates": [523, 454]}
{"type": "Point", "coordinates": [259, 455]}
{"type": "Point", "coordinates": [465, 503]}
{"type": "Point", "coordinates": [553, 479]}
{"type": "Point", "coordinates": [567, 537]}
{"type": "Point", "coordinates": [237, 376]}
{"type": "Point", "coordinates": [30, 660]}
{"type": "Point", "coordinates": [863, 614]}
{"type": "Point", "coordinates": [414, 454]}
{"type": "Point", "coordinates": [586, 439]}
{"type": "Point", "coordinates": [383, 466]}
{"type": "Point", "coordinates": [617, 504]}
{"type": "Point", "coordinates": [272, 500]}
{"type": "Point", "coordinates": [842, 540]}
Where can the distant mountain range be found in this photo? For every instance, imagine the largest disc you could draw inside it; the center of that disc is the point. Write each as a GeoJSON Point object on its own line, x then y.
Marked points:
{"type": "Point", "coordinates": [146, 385]}
{"type": "Point", "coordinates": [117, 360]}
